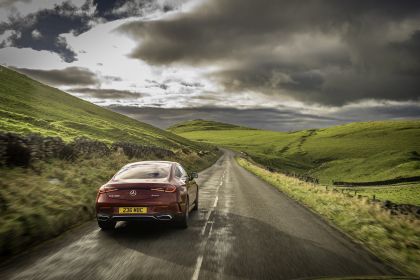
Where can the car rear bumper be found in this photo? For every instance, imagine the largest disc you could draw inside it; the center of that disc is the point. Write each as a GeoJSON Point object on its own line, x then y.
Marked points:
{"type": "Point", "coordinates": [142, 217]}
{"type": "Point", "coordinates": [155, 212]}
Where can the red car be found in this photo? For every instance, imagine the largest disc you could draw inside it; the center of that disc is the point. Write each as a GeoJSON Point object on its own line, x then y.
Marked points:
{"type": "Point", "coordinates": [148, 190]}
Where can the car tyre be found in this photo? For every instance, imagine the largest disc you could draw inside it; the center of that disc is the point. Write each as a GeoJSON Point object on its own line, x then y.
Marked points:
{"type": "Point", "coordinates": [182, 222]}
{"type": "Point", "coordinates": [107, 225]}
{"type": "Point", "coordinates": [196, 202]}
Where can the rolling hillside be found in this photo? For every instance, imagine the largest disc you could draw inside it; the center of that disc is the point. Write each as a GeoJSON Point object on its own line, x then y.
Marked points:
{"type": "Point", "coordinates": [356, 152]}
{"type": "Point", "coordinates": [29, 106]}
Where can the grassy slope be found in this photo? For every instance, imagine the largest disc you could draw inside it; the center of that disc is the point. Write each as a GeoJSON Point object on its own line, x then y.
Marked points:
{"type": "Point", "coordinates": [355, 152]}
{"type": "Point", "coordinates": [393, 238]}
{"type": "Point", "coordinates": [29, 106]}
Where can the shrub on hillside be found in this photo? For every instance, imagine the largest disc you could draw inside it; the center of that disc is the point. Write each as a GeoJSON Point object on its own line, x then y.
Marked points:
{"type": "Point", "coordinates": [20, 150]}
{"type": "Point", "coordinates": [133, 150]}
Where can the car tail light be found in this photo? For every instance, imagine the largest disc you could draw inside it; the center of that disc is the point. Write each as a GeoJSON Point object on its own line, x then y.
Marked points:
{"type": "Point", "coordinates": [105, 209]}
{"type": "Point", "coordinates": [107, 190]}
{"type": "Point", "coordinates": [169, 189]}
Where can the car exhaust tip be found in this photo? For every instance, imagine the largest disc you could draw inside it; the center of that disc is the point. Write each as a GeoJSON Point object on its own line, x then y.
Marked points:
{"type": "Point", "coordinates": [164, 217]}
{"type": "Point", "coordinates": [102, 218]}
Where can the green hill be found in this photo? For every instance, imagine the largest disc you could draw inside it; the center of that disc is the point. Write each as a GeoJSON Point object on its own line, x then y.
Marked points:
{"type": "Point", "coordinates": [28, 106]}
{"type": "Point", "coordinates": [356, 152]}
{"type": "Point", "coordinates": [195, 125]}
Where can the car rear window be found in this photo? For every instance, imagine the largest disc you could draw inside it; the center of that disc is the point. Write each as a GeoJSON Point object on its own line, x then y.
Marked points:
{"type": "Point", "coordinates": [143, 171]}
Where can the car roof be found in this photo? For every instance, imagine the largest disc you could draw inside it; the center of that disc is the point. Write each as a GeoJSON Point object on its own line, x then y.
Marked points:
{"type": "Point", "coordinates": [168, 163]}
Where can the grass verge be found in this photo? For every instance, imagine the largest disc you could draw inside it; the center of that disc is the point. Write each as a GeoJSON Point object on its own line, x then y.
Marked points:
{"type": "Point", "coordinates": [400, 194]}
{"type": "Point", "coordinates": [394, 238]}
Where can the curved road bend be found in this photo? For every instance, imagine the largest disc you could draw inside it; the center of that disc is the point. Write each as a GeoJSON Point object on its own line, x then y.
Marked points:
{"type": "Point", "coordinates": [244, 229]}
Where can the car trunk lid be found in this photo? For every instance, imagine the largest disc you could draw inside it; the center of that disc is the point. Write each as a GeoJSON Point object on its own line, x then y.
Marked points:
{"type": "Point", "coordinates": [139, 191]}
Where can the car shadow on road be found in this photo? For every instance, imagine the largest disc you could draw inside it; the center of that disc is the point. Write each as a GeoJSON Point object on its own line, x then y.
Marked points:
{"type": "Point", "coordinates": [244, 247]}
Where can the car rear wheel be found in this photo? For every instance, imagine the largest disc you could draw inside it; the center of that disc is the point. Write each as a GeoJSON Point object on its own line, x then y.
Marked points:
{"type": "Point", "coordinates": [182, 222]}
{"type": "Point", "coordinates": [196, 202]}
{"type": "Point", "coordinates": [107, 225]}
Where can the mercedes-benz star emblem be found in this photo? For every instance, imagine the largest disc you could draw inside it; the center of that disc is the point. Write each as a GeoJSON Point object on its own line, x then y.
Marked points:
{"type": "Point", "coordinates": [133, 192]}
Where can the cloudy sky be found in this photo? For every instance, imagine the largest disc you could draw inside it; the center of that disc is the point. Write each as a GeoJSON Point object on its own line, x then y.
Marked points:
{"type": "Point", "coordinates": [280, 65]}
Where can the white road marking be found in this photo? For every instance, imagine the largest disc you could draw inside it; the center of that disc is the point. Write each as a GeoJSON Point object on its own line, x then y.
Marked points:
{"type": "Point", "coordinates": [211, 228]}
{"type": "Point", "coordinates": [200, 257]}
{"type": "Point", "coordinates": [197, 267]}
{"type": "Point", "coordinates": [215, 201]}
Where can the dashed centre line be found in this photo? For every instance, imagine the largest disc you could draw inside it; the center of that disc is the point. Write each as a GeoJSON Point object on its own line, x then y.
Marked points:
{"type": "Point", "coordinates": [200, 257]}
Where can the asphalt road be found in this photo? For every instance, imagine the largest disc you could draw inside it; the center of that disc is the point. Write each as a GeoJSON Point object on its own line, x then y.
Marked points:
{"type": "Point", "coordinates": [244, 229]}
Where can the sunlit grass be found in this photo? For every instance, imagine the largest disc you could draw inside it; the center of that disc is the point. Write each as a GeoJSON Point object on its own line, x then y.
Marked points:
{"type": "Point", "coordinates": [401, 194]}
{"type": "Point", "coordinates": [394, 238]}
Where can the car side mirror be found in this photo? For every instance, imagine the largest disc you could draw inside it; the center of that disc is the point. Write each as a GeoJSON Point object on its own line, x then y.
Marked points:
{"type": "Point", "coordinates": [193, 175]}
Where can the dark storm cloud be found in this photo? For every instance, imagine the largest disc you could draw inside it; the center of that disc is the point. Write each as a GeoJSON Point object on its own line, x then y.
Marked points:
{"type": "Point", "coordinates": [115, 9]}
{"type": "Point", "coordinates": [409, 51]}
{"type": "Point", "coordinates": [42, 30]}
{"type": "Point", "coordinates": [106, 93]}
{"type": "Point", "coordinates": [280, 119]}
{"type": "Point", "coordinates": [321, 51]}
{"type": "Point", "coordinates": [66, 76]}
{"type": "Point", "coordinates": [384, 112]}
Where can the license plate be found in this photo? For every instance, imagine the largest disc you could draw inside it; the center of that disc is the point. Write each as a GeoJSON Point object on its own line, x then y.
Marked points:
{"type": "Point", "coordinates": [132, 210]}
